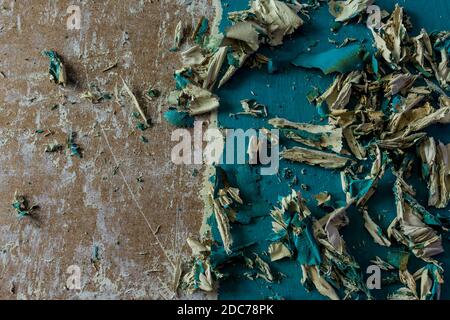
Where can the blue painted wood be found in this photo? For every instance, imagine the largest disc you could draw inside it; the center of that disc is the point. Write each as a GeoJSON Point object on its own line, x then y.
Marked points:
{"type": "Point", "coordinates": [285, 95]}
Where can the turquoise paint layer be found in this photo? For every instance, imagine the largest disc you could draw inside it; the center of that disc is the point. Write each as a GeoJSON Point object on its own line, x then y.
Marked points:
{"type": "Point", "coordinates": [179, 118]}
{"type": "Point", "coordinates": [284, 93]}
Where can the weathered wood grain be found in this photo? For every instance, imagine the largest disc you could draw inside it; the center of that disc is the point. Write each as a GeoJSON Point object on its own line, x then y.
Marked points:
{"type": "Point", "coordinates": [139, 227]}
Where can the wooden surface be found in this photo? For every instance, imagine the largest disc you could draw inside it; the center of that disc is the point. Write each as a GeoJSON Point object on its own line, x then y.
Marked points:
{"type": "Point", "coordinates": [96, 200]}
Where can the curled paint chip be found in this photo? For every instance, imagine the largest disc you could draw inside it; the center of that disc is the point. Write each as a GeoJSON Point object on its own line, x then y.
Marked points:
{"type": "Point", "coordinates": [346, 10]}
{"type": "Point", "coordinates": [341, 60]}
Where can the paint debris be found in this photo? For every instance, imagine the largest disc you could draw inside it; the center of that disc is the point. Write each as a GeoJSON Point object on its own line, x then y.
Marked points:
{"type": "Point", "coordinates": [135, 102]}
{"type": "Point", "coordinates": [152, 93]}
{"type": "Point", "coordinates": [252, 108]}
{"type": "Point", "coordinates": [110, 67]}
{"type": "Point", "coordinates": [72, 146]}
{"type": "Point", "coordinates": [341, 60]}
{"type": "Point", "coordinates": [179, 119]}
{"type": "Point", "coordinates": [349, 9]}
{"type": "Point", "coordinates": [265, 22]}
{"type": "Point", "coordinates": [178, 37]}
{"type": "Point", "coordinates": [95, 95]}
{"type": "Point", "coordinates": [321, 137]}
{"type": "Point", "coordinates": [315, 157]}
{"type": "Point", "coordinates": [373, 130]}
{"type": "Point", "coordinates": [53, 147]}
{"type": "Point", "coordinates": [56, 70]}
{"type": "Point", "coordinates": [22, 207]}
